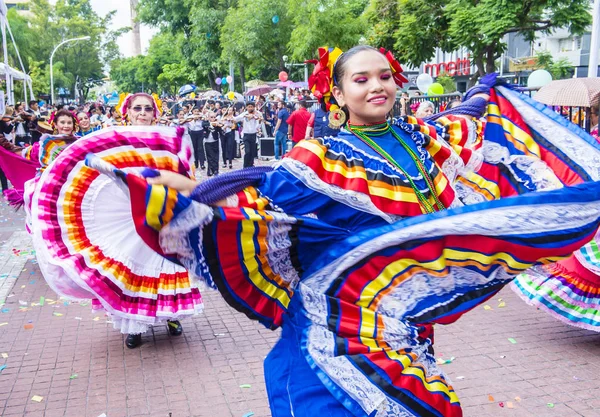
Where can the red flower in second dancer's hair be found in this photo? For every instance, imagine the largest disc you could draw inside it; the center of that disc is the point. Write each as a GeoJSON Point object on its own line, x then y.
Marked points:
{"type": "Point", "coordinates": [399, 79]}
{"type": "Point", "coordinates": [320, 80]}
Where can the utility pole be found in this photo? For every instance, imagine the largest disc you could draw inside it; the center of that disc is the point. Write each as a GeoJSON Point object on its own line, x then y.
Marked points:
{"type": "Point", "coordinates": [595, 44]}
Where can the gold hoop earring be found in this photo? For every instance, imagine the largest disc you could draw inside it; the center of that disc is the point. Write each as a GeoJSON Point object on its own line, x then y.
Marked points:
{"type": "Point", "coordinates": [337, 118]}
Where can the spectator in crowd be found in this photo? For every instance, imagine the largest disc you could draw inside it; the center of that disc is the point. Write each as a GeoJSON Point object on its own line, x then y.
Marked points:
{"type": "Point", "coordinates": [229, 127]}
{"type": "Point", "coordinates": [212, 131]}
{"type": "Point", "coordinates": [281, 130]}
{"type": "Point", "coordinates": [7, 126]}
{"type": "Point", "coordinates": [425, 109]}
{"type": "Point", "coordinates": [251, 120]}
{"type": "Point", "coordinates": [298, 122]}
{"type": "Point", "coordinates": [594, 122]}
{"type": "Point", "coordinates": [196, 131]}
{"type": "Point", "coordinates": [404, 104]}
{"type": "Point", "coordinates": [319, 126]}
{"type": "Point", "coordinates": [21, 122]}
{"type": "Point", "coordinates": [98, 117]}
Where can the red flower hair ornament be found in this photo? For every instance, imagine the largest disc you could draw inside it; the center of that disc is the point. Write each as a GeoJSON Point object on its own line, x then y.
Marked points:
{"type": "Point", "coordinates": [321, 80]}
{"type": "Point", "coordinates": [399, 79]}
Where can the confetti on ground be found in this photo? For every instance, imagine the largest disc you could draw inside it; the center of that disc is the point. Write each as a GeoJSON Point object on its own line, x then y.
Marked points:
{"type": "Point", "coordinates": [502, 356]}
{"type": "Point", "coordinates": [83, 304]}
{"type": "Point", "coordinates": [509, 405]}
{"type": "Point", "coordinates": [576, 379]}
{"type": "Point", "coordinates": [28, 326]}
{"type": "Point", "coordinates": [23, 303]}
{"type": "Point", "coordinates": [250, 414]}
{"type": "Point", "coordinates": [460, 377]}
{"type": "Point", "coordinates": [550, 405]}
{"type": "Point", "coordinates": [42, 300]}
{"type": "Point", "coordinates": [501, 404]}
{"type": "Point", "coordinates": [2, 368]}
{"type": "Point", "coordinates": [502, 304]}
{"type": "Point", "coordinates": [73, 376]}
{"type": "Point", "coordinates": [511, 340]}
{"type": "Point", "coordinates": [491, 398]}
{"type": "Point", "coordinates": [518, 399]}
{"type": "Point", "coordinates": [5, 310]}
{"type": "Point", "coordinates": [4, 355]}
{"type": "Point", "coordinates": [245, 386]}
{"type": "Point", "coordinates": [57, 314]}
{"type": "Point", "coordinates": [441, 361]}
{"type": "Point", "coordinates": [487, 307]}
{"type": "Point", "coordinates": [37, 398]}
{"type": "Point", "coordinates": [3, 324]}
{"type": "Point", "coordinates": [219, 334]}
{"type": "Point", "coordinates": [78, 318]}
{"type": "Point", "coordinates": [96, 318]}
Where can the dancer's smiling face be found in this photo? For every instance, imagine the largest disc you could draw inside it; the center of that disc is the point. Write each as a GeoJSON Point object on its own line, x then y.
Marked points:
{"type": "Point", "coordinates": [141, 111]}
{"type": "Point", "coordinates": [64, 125]}
{"type": "Point", "coordinates": [365, 86]}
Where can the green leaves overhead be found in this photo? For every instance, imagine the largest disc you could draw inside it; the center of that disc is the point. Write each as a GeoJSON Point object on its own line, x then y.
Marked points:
{"type": "Point", "coordinates": [77, 65]}
{"type": "Point", "coordinates": [415, 28]}
{"type": "Point", "coordinates": [256, 34]}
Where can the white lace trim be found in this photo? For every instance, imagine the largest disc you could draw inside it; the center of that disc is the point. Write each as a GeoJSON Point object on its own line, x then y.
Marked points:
{"type": "Point", "coordinates": [173, 238]}
{"type": "Point", "coordinates": [278, 253]}
{"type": "Point", "coordinates": [538, 218]}
{"type": "Point", "coordinates": [321, 348]}
{"type": "Point", "coordinates": [541, 175]}
{"type": "Point", "coordinates": [232, 201]}
{"type": "Point", "coordinates": [582, 153]}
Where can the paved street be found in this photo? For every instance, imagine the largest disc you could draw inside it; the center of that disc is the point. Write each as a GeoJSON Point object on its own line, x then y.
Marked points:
{"type": "Point", "coordinates": [79, 366]}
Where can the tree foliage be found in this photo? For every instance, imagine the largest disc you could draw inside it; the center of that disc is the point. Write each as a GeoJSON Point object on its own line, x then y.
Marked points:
{"type": "Point", "coordinates": [560, 69]}
{"type": "Point", "coordinates": [414, 29]}
{"type": "Point", "coordinates": [77, 65]}
{"type": "Point", "coordinates": [325, 23]}
{"type": "Point", "coordinates": [255, 35]}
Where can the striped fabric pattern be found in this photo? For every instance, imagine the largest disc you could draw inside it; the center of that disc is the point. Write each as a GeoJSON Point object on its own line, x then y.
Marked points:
{"type": "Point", "coordinates": [86, 238]}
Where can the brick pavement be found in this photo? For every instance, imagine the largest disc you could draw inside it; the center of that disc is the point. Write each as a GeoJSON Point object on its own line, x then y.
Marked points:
{"type": "Point", "coordinates": [79, 365]}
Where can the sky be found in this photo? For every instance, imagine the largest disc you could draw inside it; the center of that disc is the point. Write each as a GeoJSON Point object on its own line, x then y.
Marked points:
{"type": "Point", "coordinates": [122, 19]}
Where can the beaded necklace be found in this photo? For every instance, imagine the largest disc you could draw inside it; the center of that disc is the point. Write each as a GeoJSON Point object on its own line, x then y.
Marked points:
{"type": "Point", "coordinates": [381, 129]}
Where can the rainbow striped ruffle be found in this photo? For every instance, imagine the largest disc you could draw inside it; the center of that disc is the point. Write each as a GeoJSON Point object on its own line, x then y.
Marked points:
{"type": "Point", "coordinates": [568, 290]}
{"type": "Point", "coordinates": [87, 239]}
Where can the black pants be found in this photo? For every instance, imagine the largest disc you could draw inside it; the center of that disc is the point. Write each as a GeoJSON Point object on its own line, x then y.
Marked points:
{"type": "Point", "coordinates": [3, 181]}
{"type": "Point", "coordinates": [249, 149]}
{"type": "Point", "coordinates": [198, 144]}
{"type": "Point", "coordinates": [229, 147]}
{"type": "Point", "coordinates": [223, 140]}
{"type": "Point", "coordinates": [212, 157]}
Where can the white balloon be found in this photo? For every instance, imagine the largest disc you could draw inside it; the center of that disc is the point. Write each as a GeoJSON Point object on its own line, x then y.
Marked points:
{"type": "Point", "coordinates": [539, 78]}
{"type": "Point", "coordinates": [424, 81]}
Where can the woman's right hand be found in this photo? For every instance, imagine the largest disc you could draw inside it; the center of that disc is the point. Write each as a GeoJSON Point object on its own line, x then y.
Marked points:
{"type": "Point", "coordinates": [173, 180]}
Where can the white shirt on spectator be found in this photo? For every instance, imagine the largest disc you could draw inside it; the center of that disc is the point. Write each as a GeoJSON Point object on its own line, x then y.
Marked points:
{"type": "Point", "coordinates": [251, 124]}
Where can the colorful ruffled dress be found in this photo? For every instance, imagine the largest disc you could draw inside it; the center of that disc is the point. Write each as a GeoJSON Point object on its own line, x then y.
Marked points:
{"type": "Point", "coordinates": [90, 131]}
{"type": "Point", "coordinates": [333, 246]}
{"type": "Point", "coordinates": [568, 290]}
{"type": "Point", "coordinates": [84, 234]}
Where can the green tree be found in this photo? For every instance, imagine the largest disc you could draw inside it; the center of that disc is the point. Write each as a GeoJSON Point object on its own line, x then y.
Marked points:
{"type": "Point", "coordinates": [125, 74]}
{"type": "Point", "coordinates": [447, 82]}
{"type": "Point", "coordinates": [256, 34]}
{"type": "Point", "coordinates": [416, 28]}
{"type": "Point", "coordinates": [559, 69]}
{"type": "Point", "coordinates": [325, 23]}
{"type": "Point", "coordinates": [173, 76]}
{"type": "Point", "coordinates": [82, 64]}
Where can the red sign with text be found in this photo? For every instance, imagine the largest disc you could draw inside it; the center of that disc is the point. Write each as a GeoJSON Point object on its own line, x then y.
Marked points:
{"type": "Point", "coordinates": [452, 68]}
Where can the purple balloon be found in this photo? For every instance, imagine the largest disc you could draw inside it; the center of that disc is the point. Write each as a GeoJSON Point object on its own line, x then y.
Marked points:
{"type": "Point", "coordinates": [218, 81]}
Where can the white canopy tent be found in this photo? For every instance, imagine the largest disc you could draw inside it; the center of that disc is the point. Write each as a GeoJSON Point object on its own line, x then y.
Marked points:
{"type": "Point", "coordinates": [8, 72]}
